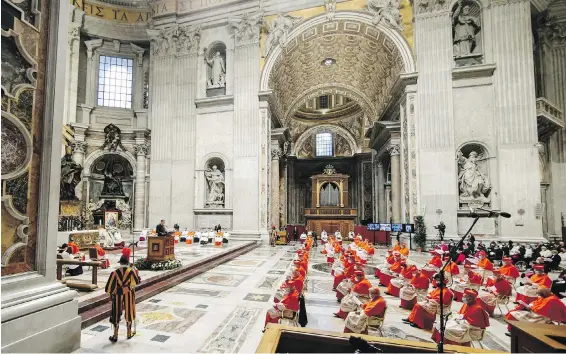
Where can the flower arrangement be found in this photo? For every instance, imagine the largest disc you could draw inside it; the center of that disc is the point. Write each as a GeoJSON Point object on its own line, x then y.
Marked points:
{"type": "Point", "coordinates": [145, 264]}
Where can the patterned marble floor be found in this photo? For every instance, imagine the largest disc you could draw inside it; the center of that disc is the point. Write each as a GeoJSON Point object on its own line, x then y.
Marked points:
{"type": "Point", "coordinates": [187, 254]}
{"type": "Point", "coordinates": [223, 310]}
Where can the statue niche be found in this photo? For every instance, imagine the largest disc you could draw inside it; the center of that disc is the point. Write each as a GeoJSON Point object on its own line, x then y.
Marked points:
{"type": "Point", "coordinates": [467, 33]}
{"type": "Point", "coordinates": [215, 59]}
{"type": "Point", "coordinates": [473, 180]}
{"type": "Point", "coordinates": [214, 175]}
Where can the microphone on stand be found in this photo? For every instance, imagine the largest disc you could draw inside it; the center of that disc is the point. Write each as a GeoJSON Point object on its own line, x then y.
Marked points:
{"type": "Point", "coordinates": [503, 214]}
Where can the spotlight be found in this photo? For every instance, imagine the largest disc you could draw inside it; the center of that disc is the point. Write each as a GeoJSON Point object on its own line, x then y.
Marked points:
{"type": "Point", "coordinates": [328, 61]}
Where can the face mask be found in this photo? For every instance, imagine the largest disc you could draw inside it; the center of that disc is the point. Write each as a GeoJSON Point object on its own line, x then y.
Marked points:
{"type": "Point", "coordinates": [538, 272]}
{"type": "Point", "coordinates": [465, 300]}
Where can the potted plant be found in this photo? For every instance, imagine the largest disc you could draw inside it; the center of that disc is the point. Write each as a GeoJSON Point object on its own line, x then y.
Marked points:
{"type": "Point", "coordinates": [420, 233]}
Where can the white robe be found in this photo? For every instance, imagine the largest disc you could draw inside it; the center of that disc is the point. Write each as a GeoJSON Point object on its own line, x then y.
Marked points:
{"type": "Point", "coordinates": [460, 331]}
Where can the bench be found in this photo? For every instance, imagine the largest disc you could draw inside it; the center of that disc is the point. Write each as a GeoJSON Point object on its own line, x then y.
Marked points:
{"type": "Point", "coordinates": [78, 284]}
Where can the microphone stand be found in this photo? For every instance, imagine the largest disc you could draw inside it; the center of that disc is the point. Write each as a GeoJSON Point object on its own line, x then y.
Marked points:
{"type": "Point", "coordinates": [440, 345]}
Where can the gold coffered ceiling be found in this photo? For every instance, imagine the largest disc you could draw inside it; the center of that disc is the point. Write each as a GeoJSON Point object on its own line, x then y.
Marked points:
{"type": "Point", "coordinates": [367, 64]}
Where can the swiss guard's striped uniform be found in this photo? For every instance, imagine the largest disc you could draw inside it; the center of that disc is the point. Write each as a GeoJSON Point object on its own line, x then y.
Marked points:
{"type": "Point", "coordinates": [120, 287]}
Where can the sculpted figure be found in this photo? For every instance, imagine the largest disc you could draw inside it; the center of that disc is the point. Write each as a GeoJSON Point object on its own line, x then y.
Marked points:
{"type": "Point", "coordinates": [70, 176]}
{"type": "Point", "coordinates": [466, 28]}
{"type": "Point", "coordinates": [215, 179]}
{"type": "Point", "coordinates": [386, 10]}
{"type": "Point", "coordinates": [217, 76]}
{"type": "Point", "coordinates": [474, 185]}
{"type": "Point", "coordinates": [278, 30]}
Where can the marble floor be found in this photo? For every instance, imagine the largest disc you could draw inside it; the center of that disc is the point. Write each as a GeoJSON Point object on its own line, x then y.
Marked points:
{"type": "Point", "coordinates": [223, 310]}
{"type": "Point", "coordinates": [187, 254]}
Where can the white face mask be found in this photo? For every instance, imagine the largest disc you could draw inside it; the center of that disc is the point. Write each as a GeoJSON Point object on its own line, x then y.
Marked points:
{"type": "Point", "coordinates": [465, 300]}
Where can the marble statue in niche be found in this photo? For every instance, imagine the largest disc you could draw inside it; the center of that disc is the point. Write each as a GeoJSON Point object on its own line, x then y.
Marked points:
{"type": "Point", "coordinates": [215, 191]}
{"type": "Point", "coordinates": [386, 10]}
{"type": "Point", "coordinates": [112, 181]}
{"type": "Point", "coordinates": [473, 184]}
{"type": "Point", "coordinates": [216, 71]}
{"type": "Point", "coordinates": [112, 138]}
{"type": "Point", "coordinates": [278, 30]}
{"type": "Point", "coordinates": [466, 28]}
{"type": "Point", "coordinates": [70, 176]}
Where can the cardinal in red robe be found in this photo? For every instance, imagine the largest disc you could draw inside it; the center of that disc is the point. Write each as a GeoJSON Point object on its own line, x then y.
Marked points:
{"type": "Point", "coordinates": [468, 325]}
{"type": "Point", "coordinates": [409, 294]}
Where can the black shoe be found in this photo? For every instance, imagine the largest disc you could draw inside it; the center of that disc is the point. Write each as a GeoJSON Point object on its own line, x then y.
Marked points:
{"type": "Point", "coordinates": [387, 293]}
{"type": "Point", "coordinates": [333, 289]}
{"type": "Point", "coordinates": [406, 320]}
{"type": "Point", "coordinates": [414, 325]}
{"type": "Point", "coordinates": [508, 334]}
{"type": "Point", "coordinates": [263, 330]}
{"type": "Point", "coordinates": [336, 315]}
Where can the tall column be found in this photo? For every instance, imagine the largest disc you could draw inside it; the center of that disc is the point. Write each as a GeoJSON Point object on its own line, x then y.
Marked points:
{"type": "Point", "coordinates": [141, 148]}
{"type": "Point", "coordinates": [515, 118]}
{"type": "Point", "coordinates": [554, 76]}
{"type": "Point", "coordinates": [291, 200]}
{"type": "Point", "coordinates": [275, 204]}
{"type": "Point", "coordinates": [247, 125]}
{"type": "Point", "coordinates": [434, 109]}
{"type": "Point", "coordinates": [381, 203]}
{"type": "Point", "coordinates": [70, 109]}
{"type": "Point", "coordinates": [394, 152]}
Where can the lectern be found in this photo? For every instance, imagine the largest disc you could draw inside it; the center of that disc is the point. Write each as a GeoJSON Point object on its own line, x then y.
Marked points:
{"type": "Point", "coordinates": [330, 209]}
{"type": "Point", "coordinates": [160, 248]}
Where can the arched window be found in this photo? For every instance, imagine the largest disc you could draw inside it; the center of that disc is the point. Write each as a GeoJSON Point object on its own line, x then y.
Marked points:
{"type": "Point", "coordinates": [324, 144]}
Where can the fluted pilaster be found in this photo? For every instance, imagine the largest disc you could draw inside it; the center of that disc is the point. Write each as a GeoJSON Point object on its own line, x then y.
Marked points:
{"type": "Point", "coordinates": [434, 109]}
{"type": "Point", "coordinates": [172, 119]}
{"type": "Point", "coordinates": [553, 49]}
{"type": "Point", "coordinates": [515, 115]}
{"type": "Point", "coordinates": [275, 202]}
{"type": "Point", "coordinates": [248, 142]}
{"type": "Point", "coordinates": [141, 150]}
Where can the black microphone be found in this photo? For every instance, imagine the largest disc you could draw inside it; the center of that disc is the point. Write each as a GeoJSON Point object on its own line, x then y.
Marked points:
{"type": "Point", "coordinates": [496, 213]}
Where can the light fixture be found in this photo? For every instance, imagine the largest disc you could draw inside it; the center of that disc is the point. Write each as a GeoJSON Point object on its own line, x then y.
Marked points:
{"type": "Point", "coordinates": [328, 61]}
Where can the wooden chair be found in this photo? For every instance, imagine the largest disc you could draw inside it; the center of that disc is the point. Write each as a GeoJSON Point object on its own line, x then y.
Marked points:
{"type": "Point", "coordinates": [375, 323]}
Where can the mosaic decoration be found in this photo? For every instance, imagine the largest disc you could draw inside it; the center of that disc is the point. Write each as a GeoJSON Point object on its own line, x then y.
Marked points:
{"type": "Point", "coordinates": [268, 282]}
{"type": "Point", "coordinates": [219, 279]}
{"type": "Point", "coordinates": [229, 336]}
{"type": "Point", "coordinates": [257, 297]}
{"type": "Point", "coordinates": [24, 49]}
{"type": "Point", "coordinates": [198, 292]}
{"type": "Point", "coordinates": [172, 320]}
{"type": "Point", "coordinates": [245, 263]}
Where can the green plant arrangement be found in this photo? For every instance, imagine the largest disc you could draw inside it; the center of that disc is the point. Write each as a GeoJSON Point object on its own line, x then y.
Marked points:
{"type": "Point", "coordinates": [420, 232]}
{"type": "Point", "coordinates": [145, 264]}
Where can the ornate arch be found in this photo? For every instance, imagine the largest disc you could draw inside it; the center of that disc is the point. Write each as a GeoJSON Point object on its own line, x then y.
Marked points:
{"type": "Point", "coordinates": [323, 128]}
{"type": "Point", "coordinates": [218, 155]}
{"type": "Point", "coordinates": [90, 159]}
{"type": "Point", "coordinates": [397, 38]}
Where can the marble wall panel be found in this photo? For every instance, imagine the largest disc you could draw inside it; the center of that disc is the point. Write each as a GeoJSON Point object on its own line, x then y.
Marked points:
{"type": "Point", "coordinates": [24, 50]}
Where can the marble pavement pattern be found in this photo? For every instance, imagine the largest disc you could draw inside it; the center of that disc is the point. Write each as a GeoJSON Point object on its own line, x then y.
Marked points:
{"type": "Point", "coordinates": [226, 308]}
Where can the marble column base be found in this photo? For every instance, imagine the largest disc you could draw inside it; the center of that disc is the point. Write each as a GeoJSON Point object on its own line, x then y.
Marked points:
{"type": "Point", "coordinates": [47, 324]}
